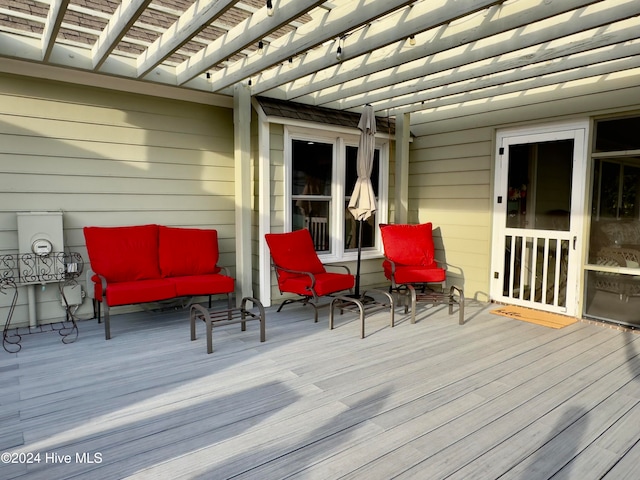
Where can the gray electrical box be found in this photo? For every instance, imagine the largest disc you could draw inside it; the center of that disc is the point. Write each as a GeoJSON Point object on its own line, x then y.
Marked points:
{"type": "Point", "coordinates": [40, 234]}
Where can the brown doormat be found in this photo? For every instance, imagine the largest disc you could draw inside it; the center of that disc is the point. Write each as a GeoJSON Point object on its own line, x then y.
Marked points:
{"type": "Point", "coordinates": [547, 319]}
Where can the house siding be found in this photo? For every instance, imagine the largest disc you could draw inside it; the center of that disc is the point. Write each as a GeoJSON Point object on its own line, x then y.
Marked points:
{"type": "Point", "coordinates": [108, 158]}
{"type": "Point", "coordinates": [449, 185]}
{"type": "Point", "coordinates": [452, 166]}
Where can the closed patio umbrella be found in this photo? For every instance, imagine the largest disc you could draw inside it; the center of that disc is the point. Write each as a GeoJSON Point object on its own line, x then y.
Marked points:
{"type": "Point", "coordinates": [362, 203]}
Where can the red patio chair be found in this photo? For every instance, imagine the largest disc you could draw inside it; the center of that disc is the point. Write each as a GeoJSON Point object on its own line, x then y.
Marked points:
{"type": "Point", "coordinates": [300, 271]}
{"type": "Point", "coordinates": [411, 266]}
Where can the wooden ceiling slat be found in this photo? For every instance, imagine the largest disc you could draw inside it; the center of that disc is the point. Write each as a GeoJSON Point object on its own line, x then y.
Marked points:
{"type": "Point", "coordinates": [464, 52]}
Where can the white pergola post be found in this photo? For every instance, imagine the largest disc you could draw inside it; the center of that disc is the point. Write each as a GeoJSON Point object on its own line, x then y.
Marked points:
{"type": "Point", "coordinates": [242, 167]}
{"type": "Point", "coordinates": [264, 212]}
{"type": "Point", "coordinates": [402, 169]}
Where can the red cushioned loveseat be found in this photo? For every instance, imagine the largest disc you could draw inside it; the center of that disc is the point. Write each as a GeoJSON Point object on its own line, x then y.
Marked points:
{"type": "Point", "coordinates": [149, 263]}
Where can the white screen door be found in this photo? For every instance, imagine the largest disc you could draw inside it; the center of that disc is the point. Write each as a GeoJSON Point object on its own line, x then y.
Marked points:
{"type": "Point", "coordinates": [538, 212]}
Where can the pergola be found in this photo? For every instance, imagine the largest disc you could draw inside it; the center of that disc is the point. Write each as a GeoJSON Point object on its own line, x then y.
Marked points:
{"type": "Point", "coordinates": [403, 57]}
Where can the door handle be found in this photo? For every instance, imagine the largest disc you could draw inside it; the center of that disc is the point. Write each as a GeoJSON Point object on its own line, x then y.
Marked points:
{"type": "Point", "coordinates": [575, 239]}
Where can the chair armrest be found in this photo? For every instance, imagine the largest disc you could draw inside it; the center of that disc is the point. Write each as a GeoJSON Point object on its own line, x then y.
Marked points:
{"type": "Point", "coordinates": [339, 266]}
{"type": "Point", "coordinates": [296, 272]}
{"type": "Point", "coordinates": [454, 269]}
{"type": "Point", "coordinates": [103, 285]}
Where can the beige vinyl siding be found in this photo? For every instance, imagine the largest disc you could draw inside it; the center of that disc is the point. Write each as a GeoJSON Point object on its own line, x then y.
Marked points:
{"type": "Point", "coordinates": [109, 158]}
{"type": "Point", "coordinates": [449, 185]}
{"type": "Point", "coordinates": [452, 165]}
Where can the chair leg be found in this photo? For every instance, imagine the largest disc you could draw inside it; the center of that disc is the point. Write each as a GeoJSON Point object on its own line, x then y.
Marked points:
{"type": "Point", "coordinates": [107, 322]}
{"type": "Point", "coordinates": [412, 293]}
{"type": "Point", "coordinates": [460, 303]}
{"type": "Point", "coordinates": [305, 301]}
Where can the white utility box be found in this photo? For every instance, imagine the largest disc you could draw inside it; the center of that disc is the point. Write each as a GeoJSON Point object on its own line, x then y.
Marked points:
{"type": "Point", "coordinates": [37, 230]}
{"type": "Point", "coordinates": [40, 253]}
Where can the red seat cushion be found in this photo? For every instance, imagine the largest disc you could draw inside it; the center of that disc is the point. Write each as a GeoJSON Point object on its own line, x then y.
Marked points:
{"type": "Point", "coordinates": [408, 244]}
{"type": "Point", "coordinates": [326, 283]}
{"type": "Point", "coordinates": [294, 251]}
{"type": "Point", "coordinates": [187, 251]}
{"type": "Point", "coordinates": [415, 273]}
{"type": "Point", "coordinates": [202, 284]}
{"type": "Point", "coordinates": [123, 254]}
{"type": "Point", "coordinates": [140, 291]}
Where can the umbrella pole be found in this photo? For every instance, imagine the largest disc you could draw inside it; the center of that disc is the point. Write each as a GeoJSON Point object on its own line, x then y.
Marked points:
{"type": "Point", "coordinates": [357, 289]}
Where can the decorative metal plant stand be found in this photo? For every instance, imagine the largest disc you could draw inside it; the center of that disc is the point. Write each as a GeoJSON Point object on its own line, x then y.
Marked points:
{"type": "Point", "coordinates": [29, 269]}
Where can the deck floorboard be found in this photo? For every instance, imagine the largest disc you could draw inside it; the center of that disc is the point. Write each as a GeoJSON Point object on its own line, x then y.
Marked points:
{"type": "Point", "coordinates": [494, 398]}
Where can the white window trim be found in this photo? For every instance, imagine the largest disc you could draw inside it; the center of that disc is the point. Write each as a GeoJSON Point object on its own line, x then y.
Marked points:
{"type": "Point", "coordinates": [340, 140]}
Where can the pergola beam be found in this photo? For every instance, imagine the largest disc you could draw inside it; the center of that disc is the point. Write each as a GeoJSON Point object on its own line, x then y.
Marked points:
{"type": "Point", "coordinates": [247, 32]}
{"type": "Point", "coordinates": [194, 20]}
{"type": "Point", "coordinates": [123, 18]}
{"type": "Point", "coordinates": [414, 19]}
{"type": "Point", "coordinates": [332, 25]}
{"type": "Point", "coordinates": [57, 9]}
{"type": "Point", "coordinates": [377, 87]}
{"type": "Point", "coordinates": [494, 20]}
{"type": "Point", "coordinates": [577, 52]}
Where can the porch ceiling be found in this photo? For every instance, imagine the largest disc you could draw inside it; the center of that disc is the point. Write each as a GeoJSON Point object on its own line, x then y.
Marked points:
{"type": "Point", "coordinates": [398, 55]}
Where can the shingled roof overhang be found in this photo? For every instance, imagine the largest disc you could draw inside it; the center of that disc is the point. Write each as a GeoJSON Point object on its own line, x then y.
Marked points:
{"type": "Point", "coordinates": [283, 109]}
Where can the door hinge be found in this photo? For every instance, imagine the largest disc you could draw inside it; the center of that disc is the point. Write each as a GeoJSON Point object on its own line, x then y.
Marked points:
{"type": "Point", "coordinates": [496, 275]}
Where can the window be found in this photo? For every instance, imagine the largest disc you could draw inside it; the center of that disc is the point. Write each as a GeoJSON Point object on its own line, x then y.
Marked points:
{"type": "Point", "coordinates": [321, 174]}
{"type": "Point", "coordinates": [612, 280]}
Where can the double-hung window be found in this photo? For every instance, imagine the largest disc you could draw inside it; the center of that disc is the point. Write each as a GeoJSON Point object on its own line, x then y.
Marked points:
{"type": "Point", "coordinates": [320, 174]}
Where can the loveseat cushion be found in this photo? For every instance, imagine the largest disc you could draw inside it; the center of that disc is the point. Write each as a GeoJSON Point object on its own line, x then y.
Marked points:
{"type": "Point", "coordinates": [408, 244]}
{"type": "Point", "coordinates": [187, 251]}
{"type": "Point", "coordinates": [294, 251]}
{"type": "Point", "coordinates": [202, 284]}
{"type": "Point", "coordinates": [140, 291]}
{"type": "Point", "coordinates": [123, 254]}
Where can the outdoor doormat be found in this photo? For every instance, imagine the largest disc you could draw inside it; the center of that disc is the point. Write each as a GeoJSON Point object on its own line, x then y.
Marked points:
{"type": "Point", "coordinates": [546, 319]}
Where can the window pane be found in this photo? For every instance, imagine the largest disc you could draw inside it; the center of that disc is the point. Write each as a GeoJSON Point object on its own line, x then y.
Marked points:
{"type": "Point", "coordinates": [318, 225]}
{"type": "Point", "coordinates": [352, 173]}
{"type": "Point", "coordinates": [312, 164]}
{"type": "Point", "coordinates": [618, 135]}
{"type": "Point", "coordinates": [351, 228]}
{"type": "Point", "coordinates": [630, 206]}
{"type": "Point", "coordinates": [312, 168]}
{"type": "Point", "coordinates": [615, 217]}
{"type": "Point", "coordinates": [539, 185]}
{"type": "Point", "coordinates": [607, 189]}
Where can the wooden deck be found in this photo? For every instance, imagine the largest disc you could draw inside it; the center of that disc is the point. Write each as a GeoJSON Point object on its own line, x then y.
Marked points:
{"type": "Point", "coordinates": [495, 398]}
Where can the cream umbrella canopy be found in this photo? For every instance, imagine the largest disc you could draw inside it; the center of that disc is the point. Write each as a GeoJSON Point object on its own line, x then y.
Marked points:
{"type": "Point", "coordinates": [362, 203]}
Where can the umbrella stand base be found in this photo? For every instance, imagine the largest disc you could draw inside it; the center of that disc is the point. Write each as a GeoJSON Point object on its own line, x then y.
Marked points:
{"type": "Point", "coordinates": [356, 304]}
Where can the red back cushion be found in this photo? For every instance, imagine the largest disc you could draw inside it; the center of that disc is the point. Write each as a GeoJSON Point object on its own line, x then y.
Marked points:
{"type": "Point", "coordinates": [294, 251]}
{"type": "Point", "coordinates": [408, 244]}
{"type": "Point", "coordinates": [188, 251]}
{"type": "Point", "coordinates": [122, 254]}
